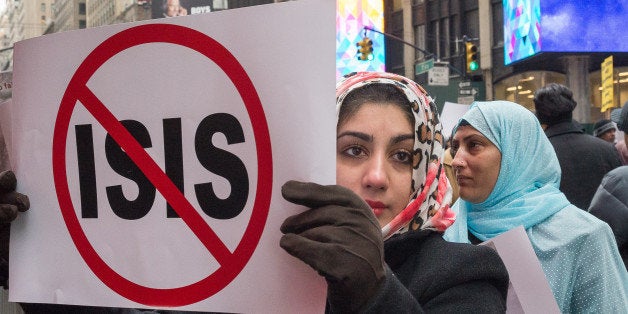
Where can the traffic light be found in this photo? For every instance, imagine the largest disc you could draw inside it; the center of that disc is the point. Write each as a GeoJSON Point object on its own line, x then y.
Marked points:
{"type": "Point", "coordinates": [365, 49]}
{"type": "Point", "coordinates": [471, 51]}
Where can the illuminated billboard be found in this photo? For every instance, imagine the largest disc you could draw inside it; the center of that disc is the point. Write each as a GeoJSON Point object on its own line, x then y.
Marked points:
{"type": "Point", "coordinates": [536, 26]}
{"type": "Point", "coordinates": [170, 8]}
{"type": "Point", "coordinates": [351, 17]}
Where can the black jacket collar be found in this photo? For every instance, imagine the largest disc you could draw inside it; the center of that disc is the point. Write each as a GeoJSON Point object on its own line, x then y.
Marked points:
{"type": "Point", "coordinates": [564, 128]}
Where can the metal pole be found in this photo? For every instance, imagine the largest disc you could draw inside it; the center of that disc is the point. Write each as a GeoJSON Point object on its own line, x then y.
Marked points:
{"type": "Point", "coordinates": [426, 53]}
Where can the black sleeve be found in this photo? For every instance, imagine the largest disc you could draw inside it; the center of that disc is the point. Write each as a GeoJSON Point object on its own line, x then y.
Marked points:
{"type": "Point", "coordinates": [36, 308]}
{"type": "Point", "coordinates": [5, 229]}
{"type": "Point", "coordinates": [437, 276]}
{"type": "Point", "coordinates": [393, 297]}
{"type": "Point", "coordinates": [471, 279]}
{"type": "Point", "coordinates": [472, 297]}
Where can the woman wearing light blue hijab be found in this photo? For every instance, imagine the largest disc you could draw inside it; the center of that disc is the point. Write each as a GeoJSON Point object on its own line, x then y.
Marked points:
{"type": "Point", "coordinates": [577, 251]}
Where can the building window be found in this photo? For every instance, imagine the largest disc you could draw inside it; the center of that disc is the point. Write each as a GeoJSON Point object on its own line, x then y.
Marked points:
{"type": "Point", "coordinates": [520, 88]}
{"type": "Point", "coordinates": [498, 25]}
{"type": "Point", "coordinates": [43, 7]}
{"type": "Point", "coordinates": [82, 24]}
{"type": "Point", "coordinates": [444, 39]}
{"type": "Point", "coordinates": [81, 8]}
{"type": "Point", "coordinates": [419, 41]}
{"type": "Point", "coordinates": [433, 42]}
{"type": "Point", "coordinates": [471, 24]}
{"type": "Point", "coordinates": [394, 48]}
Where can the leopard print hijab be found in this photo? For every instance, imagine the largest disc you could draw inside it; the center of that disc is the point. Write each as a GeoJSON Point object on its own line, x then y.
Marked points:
{"type": "Point", "coordinates": [428, 206]}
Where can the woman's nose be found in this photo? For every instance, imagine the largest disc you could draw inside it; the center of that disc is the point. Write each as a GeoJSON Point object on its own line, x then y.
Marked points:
{"type": "Point", "coordinates": [376, 175]}
{"type": "Point", "coordinates": [458, 160]}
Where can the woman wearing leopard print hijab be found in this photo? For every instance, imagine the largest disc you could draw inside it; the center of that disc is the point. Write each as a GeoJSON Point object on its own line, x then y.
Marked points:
{"type": "Point", "coordinates": [376, 237]}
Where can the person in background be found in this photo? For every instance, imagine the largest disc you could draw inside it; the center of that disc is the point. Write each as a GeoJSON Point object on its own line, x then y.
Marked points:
{"type": "Point", "coordinates": [605, 129]}
{"type": "Point", "coordinates": [610, 204]}
{"type": "Point", "coordinates": [377, 254]}
{"type": "Point", "coordinates": [173, 8]}
{"type": "Point", "coordinates": [509, 175]}
{"type": "Point", "coordinates": [451, 176]}
{"type": "Point", "coordinates": [11, 203]}
{"type": "Point", "coordinates": [584, 159]}
{"type": "Point", "coordinates": [622, 124]}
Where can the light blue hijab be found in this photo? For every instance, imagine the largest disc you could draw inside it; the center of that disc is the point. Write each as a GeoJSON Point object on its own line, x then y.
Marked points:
{"type": "Point", "coordinates": [526, 191]}
{"type": "Point", "coordinates": [577, 251]}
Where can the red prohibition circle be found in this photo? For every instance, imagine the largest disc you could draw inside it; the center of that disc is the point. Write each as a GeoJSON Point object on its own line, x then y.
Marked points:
{"type": "Point", "coordinates": [231, 263]}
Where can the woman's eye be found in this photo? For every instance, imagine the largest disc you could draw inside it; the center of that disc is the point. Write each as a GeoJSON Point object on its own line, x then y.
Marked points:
{"type": "Point", "coordinates": [454, 150]}
{"type": "Point", "coordinates": [403, 156]}
{"type": "Point", "coordinates": [354, 151]}
{"type": "Point", "coordinates": [475, 144]}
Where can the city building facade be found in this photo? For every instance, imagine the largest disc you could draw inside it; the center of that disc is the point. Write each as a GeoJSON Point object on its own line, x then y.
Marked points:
{"type": "Point", "coordinates": [69, 15]}
{"type": "Point", "coordinates": [440, 27]}
{"type": "Point", "coordinates": [437, 27]}
{"type": "Point", "coordinates": [107, 12]}
{"type": "Point", "coordinates": [22, 20]}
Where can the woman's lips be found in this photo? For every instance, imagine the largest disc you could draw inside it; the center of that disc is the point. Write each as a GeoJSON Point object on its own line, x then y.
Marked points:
{"type": "Point", "coordinates": [461, 180]}
{"type": "Point", "coordinates": [377, 206]}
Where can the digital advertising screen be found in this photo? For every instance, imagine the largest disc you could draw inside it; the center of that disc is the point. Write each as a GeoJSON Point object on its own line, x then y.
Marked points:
{"type": "Point", "coordinates": [171, 8]}
{"type": "Point", "coordinates": [535, 26]}
{"type": "Point", "coordinates": [351, 17]}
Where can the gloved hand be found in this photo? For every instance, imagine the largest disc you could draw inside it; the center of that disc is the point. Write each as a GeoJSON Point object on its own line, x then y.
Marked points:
{"type": "Point", "coordinates": [340, 238]}
{"type": "Point", "coordinates": [11, 202]}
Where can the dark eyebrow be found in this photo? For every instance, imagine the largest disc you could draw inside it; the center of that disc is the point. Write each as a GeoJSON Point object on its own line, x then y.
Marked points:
{"type": "Point", "coordinates": [363, 136]}
{"type": "Point", "coordinates": [469, 138]}
{"type": "Point", "coordinates": [401, 138]}
{"type": "Point", "coordinates": [368, 138]}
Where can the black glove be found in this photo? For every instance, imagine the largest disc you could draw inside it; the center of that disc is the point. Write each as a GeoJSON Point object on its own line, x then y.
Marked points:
{"type": "Point", "coordinates": [11, 203]}
{"type": "Point", "coordinates": [340, 238]}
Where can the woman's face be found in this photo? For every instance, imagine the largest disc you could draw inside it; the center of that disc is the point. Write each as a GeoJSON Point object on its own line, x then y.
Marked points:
{"type": "Point", "coordinates": [476, 163]}
{"type": "Point", "coordinates": [374, 158]}
{"type": "Point", "coordinates": [609, 136]}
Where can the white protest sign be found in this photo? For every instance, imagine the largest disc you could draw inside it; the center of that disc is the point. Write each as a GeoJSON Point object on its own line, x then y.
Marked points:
{"type": "Point", "coordinates": [153, 154]}
{"type": "Point", "coordinates": [452, 112]}
{"type": "Point", "coordinates": [528, 289]}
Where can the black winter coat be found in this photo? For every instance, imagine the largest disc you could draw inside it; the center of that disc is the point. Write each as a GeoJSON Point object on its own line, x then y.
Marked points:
{"type": "Point", "coordinates": [584, 160]}
{"type": "Point", "coordinates": [610, 204]}
{"type": "Point", "coordinates": [429, 274]}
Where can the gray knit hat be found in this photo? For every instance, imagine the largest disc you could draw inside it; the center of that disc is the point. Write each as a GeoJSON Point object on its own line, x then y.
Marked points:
{"type": "Point", "coordinates": [602, 126]}
{"type": "Point", "coordinates": [622, 118]}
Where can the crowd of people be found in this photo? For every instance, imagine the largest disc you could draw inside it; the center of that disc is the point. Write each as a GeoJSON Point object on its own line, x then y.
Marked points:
{"type": "Point", "coordinates": [377, 254]}
{"type": "Point", "coordinates": [391, 237]}
{"type": "Point", "coordinates": [620, 117]}
{"type": "Point", "coordinates": [584, 159]}
{"type": "Point", "coordinates": [509, 175]}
